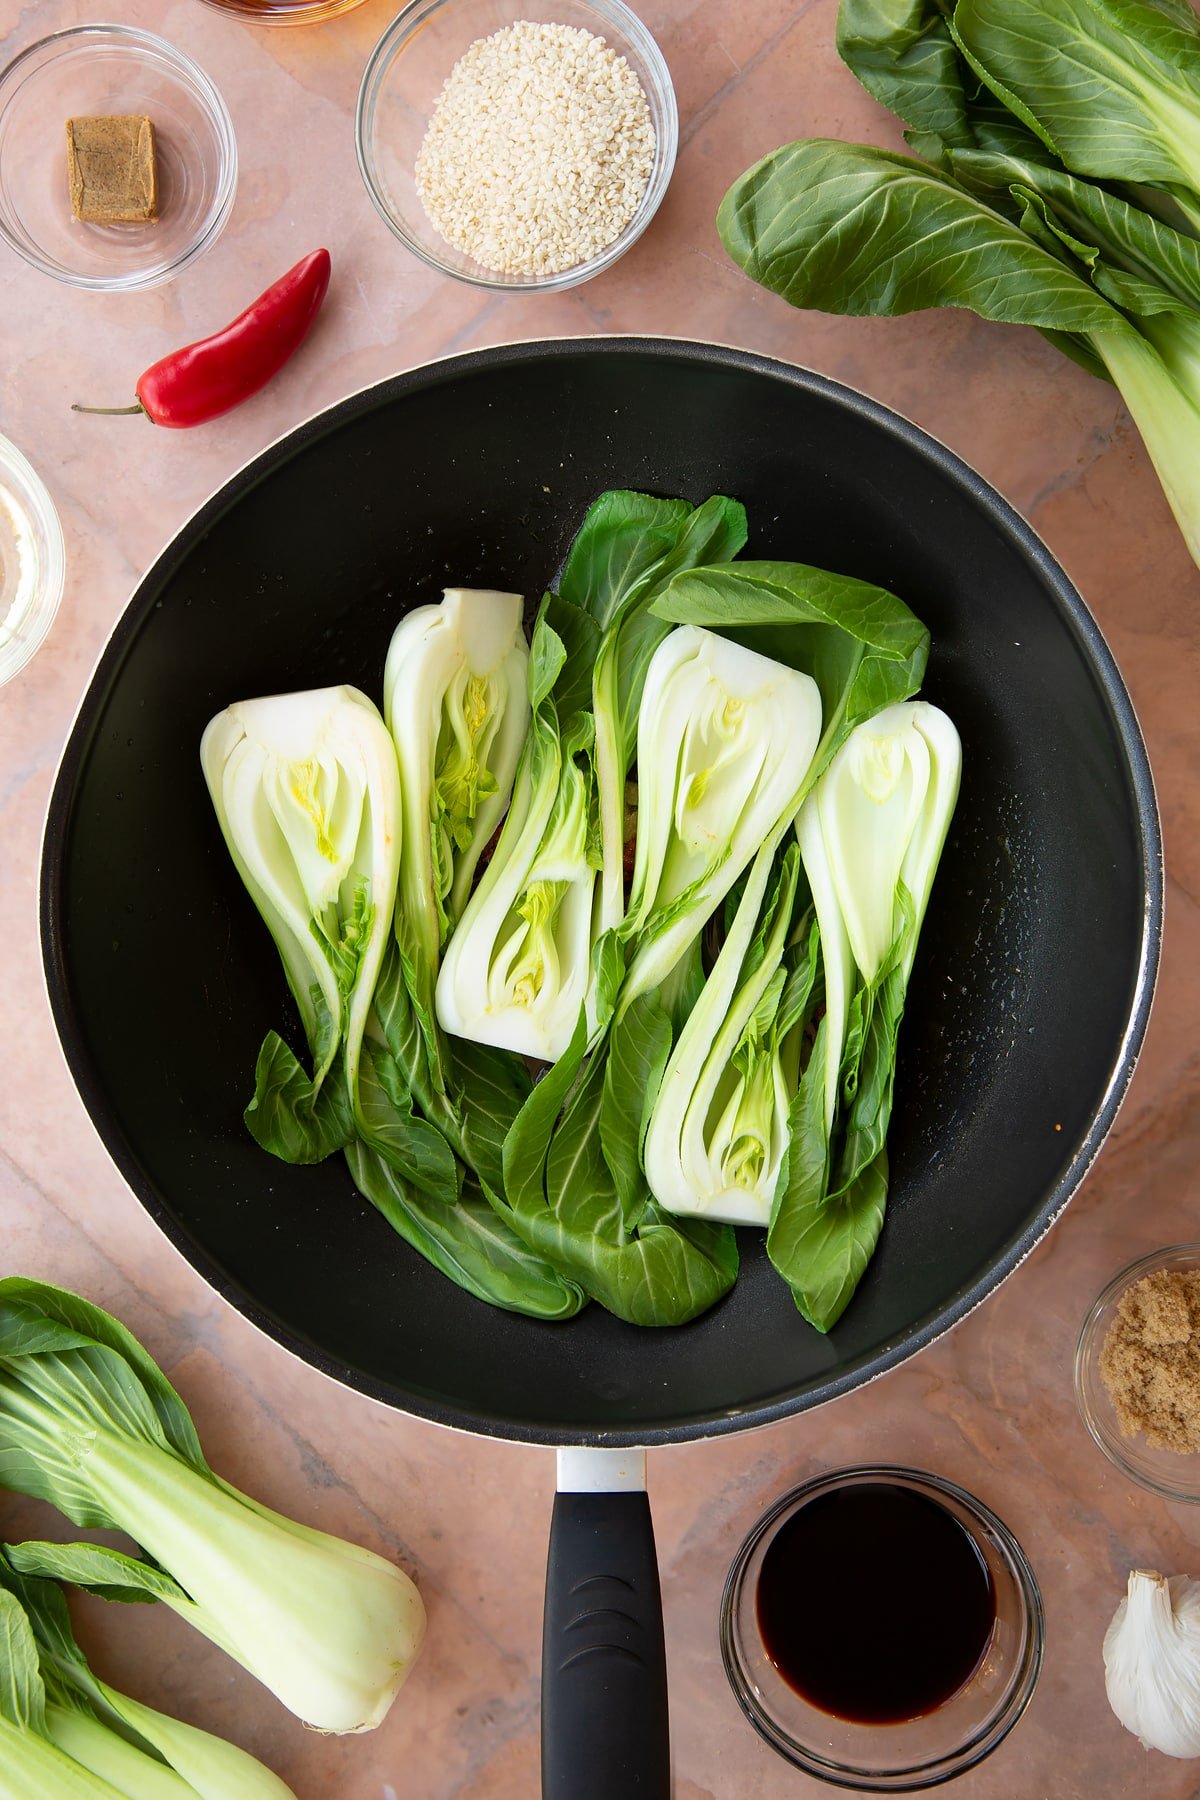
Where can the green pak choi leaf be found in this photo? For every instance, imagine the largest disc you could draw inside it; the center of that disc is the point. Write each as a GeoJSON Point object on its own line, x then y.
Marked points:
{"type": "Point", "coordinates": [291, 1115]}
{"type": "Point", "coordinates": [845, 228]}
{"type": "Point", "coordinates": [407, 1167]}
{"type": "Point", "coordinates": [624, 539]}
{"type": "Point", "coordinates": [483, 1089]}
{"type": "Point", "coordinates": [469, 1241]}
{"type": "Point", "coordinates": [98, 1569]}
{"type": "Point", "coordinates": [894, 236]}
{"type": "Point", "coordinates": [575, 1190]}
{"type": "Point", "coordinates": [904, 53]}
{"type": "Point", "coordinates": [1110, 86]}
{"type": "Point", "coordinates": [22, 1691]}
{"type": "Point", "coordinates": [1102, 233]}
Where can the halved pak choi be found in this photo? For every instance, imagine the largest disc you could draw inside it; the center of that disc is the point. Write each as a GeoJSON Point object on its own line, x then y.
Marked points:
{"type": "Point", "coordinates": [870, 836]}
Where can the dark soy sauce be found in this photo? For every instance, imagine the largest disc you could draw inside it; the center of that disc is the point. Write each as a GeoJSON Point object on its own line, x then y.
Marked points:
{"type": "Point", "coordinates": [875, 1604]}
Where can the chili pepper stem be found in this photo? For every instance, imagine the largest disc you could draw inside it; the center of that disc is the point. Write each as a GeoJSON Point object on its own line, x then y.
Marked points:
{"type": "Point", "coordinates": [112, 411]}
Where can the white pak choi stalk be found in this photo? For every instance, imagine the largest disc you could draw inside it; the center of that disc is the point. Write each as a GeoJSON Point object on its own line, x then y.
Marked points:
{"type": "Point", "coordinates": [719, 1128]}
{"type": "Point", "coordinates": [48, 1691]}
{"type": "Point", "coordinates": [871, 834]}
{"type": "Point", "coordinates": [457, 706]}
{"type": "Point", "coordinates": [198, 1767]}
{"type": "Point", "coordinates": [126, 1770]}
{"type": "Point", "coordinates": [327, 1626]}
{"type": "Point", "coordinates": [516, 971]}
{"type": "Point", "coordinates": [725, 740]}
{"type": "Point", "coordinates": [32, 1767]}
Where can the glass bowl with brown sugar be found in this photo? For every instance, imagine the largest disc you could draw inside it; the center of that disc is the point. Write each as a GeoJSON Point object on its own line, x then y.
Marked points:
{"type": "Point", "coordinates": [1137, 1371]}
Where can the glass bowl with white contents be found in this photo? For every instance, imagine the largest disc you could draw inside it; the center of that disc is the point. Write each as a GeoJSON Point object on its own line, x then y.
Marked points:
{"type": "Point", "coordinates": [541, 141]}
{"type": "Point", "coordinates": [32, 561]}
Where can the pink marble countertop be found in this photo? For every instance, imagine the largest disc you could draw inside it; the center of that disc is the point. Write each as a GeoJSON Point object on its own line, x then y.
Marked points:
{"type": "Point", "coordinates": [991, 1405]}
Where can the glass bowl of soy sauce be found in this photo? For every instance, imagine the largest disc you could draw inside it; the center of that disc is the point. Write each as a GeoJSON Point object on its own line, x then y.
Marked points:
{"type": "Point", "coordinates": [882, 1629]}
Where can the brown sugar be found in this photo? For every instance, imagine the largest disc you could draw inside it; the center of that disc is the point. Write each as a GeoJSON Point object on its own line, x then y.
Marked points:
{"type": "Point", "coordinates": [1150, 1362]}
{"type": "Point", "coordinates": [112, 169]}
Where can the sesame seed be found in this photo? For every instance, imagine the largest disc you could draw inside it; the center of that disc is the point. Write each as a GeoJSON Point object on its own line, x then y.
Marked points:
{"type": "Point", "coordinates": [539, 150]}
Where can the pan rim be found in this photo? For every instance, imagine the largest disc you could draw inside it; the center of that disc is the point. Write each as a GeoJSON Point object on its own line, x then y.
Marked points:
{"type": "Point", "coordinates": [56, 833]}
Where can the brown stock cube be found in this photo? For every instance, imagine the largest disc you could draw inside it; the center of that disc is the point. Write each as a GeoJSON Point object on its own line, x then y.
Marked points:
{"type": "Point", "coordinates": [112, 169]}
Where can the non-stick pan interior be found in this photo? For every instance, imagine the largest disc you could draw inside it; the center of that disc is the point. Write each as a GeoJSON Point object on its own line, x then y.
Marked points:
{"type": "Point", "coordinates": [1030, 993]}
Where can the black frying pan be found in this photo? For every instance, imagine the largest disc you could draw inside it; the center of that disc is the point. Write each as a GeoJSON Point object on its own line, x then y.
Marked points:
{"type": "Point", "coordinates": [1028, 1002]}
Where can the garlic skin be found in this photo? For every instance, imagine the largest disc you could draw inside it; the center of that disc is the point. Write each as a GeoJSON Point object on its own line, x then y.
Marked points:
{"type": "Point", "coordinates": [1152, 1662]}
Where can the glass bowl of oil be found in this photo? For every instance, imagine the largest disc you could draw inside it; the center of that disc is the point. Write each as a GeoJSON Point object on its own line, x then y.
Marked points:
{"type": "Point", "coordinates": [882, 1629]}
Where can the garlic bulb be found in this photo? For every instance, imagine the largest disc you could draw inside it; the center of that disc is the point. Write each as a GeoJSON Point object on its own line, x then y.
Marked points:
{"type": "Point", "coordinates": [1152, 1662]}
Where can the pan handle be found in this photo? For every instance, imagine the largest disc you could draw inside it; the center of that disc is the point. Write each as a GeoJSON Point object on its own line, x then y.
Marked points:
{"type": "Point", "coordinates": [604, 1676]}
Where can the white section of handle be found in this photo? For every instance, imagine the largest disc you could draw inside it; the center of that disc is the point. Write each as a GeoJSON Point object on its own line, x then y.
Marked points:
{"type": "Point", "coordinates": [585, 1471]}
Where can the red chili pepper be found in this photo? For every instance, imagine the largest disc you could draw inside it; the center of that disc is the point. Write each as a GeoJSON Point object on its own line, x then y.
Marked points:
{"type": "Point", "coordinates": [205, 379]}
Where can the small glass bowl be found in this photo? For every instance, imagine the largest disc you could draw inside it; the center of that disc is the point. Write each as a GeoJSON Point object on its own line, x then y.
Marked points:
{"type": "Point", "coordinates": [919, 1753]}
{"type": "Point", "coordinates": [1171, 1473]}
{"type": "Point", "coordinates": [32, 561]}
{"type": "Point", "coordinates": [106, 69]}
{"type": "Point", "coordinates": [284, 12]}
{"type": "Point", "coordinates": [401, 86]}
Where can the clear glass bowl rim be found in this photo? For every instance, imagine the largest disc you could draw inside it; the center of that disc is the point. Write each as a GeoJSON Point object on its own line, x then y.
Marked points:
{"type": "Point", "coordinates": [227, 172]}
{"type": "Point", "coordinates": [310, 12]}
{"type": "Point", "coordinates": [404, 26]}
{"type": "Point", "coordinates": [969, 1754]}
{"type": "Point", "coordinates": [1142, 1265]}
{"type": "Point", "coordinates": [44, 610]}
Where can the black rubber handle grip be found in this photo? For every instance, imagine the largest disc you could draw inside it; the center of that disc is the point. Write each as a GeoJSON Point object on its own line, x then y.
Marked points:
{"type": "Point", "coordinates": [605, 1733]}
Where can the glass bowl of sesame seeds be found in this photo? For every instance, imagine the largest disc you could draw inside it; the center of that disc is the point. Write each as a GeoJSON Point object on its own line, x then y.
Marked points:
{"type": "Point", "coordinates": [517, 152]}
